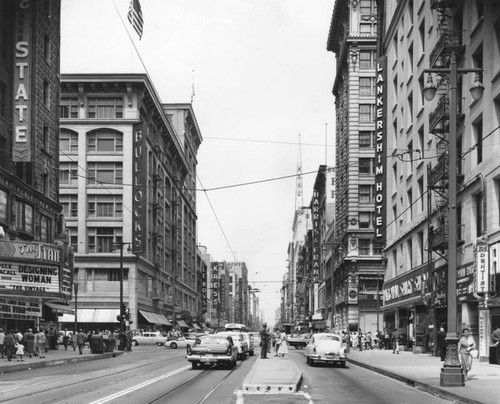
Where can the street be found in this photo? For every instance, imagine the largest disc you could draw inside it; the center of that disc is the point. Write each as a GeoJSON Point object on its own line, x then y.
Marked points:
{"type": "Point", "coordinates": [152, 375]}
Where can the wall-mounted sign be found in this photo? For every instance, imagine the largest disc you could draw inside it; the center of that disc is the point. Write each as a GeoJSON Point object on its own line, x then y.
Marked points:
{"type": "Point", "coordinates": [316, 235]}
{"type": "Point", "coordinates": [19, 309]}
{"type": "Point", "coordinates": [482, 268]}
{"type": "Point", "coordinates": [139, 189]}
{"type": "Point", "coordinates": [21, 120]}
{"type": "Point", "coordinates": [204, 289]}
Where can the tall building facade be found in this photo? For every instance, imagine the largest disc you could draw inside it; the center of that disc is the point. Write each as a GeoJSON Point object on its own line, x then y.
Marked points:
{"type": "Point", "coordinates": [127, 175]}
{"type": "Point", "coordinates": [418, 36]}
{"type": "Point", "coordinates": [34, 256]}
{"type": "Point", "coordinates": [358, 266]}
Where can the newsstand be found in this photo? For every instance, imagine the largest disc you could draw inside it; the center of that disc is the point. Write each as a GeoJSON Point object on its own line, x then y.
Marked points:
{"type": "Point", "coordinates": [96, 344]}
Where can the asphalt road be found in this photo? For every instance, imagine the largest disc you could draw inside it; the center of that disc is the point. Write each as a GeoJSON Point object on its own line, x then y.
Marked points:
{"type": "Point", "coordinates": [152, 375]}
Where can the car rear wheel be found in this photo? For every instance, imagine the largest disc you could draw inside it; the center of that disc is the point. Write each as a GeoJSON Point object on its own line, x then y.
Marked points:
{"type": "Point", "coordinates": [160, 344]}
{"type": "Point", "coordinates": [173, 345]}
{"type": "Point", "coordinates": [342, 364]}
{"type": "Point", "coordinates": [134, 342]}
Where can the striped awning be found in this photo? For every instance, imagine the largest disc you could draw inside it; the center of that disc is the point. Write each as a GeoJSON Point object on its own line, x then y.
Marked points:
{"type": "Point", "coordinates": [182, 323]}
{"type": "Point", "coordinates": [60, 308]}
{"type": "Point", "coordinates": [155, 318]}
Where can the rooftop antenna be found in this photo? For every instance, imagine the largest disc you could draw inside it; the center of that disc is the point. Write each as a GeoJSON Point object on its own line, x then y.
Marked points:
{"type": "Point", "coordinates": [192, 87]}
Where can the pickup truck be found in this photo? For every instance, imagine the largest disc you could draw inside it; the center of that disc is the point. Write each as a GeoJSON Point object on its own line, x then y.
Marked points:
{"type": "Point", "coordinates": [298, 341]}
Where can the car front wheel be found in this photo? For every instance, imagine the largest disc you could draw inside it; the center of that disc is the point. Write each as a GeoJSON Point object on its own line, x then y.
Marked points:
{"type": "Point", "coordinates": [194, 365]}
{"type": "Point", "coordinates": [134, 342]}
{"type": "Point", "coordinates": [173, 345]}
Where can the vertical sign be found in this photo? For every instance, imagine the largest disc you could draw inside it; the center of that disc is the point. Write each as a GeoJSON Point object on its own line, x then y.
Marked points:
{"type": "Point", "coordinates": [316, 234]}
{"type": "Point", "coordinates": [215, 284]}
{"type": "Point", "coordinates": [21, 145]}
{"type": "Point", "coordinates": [139, 203]}
{"type": "Point", "coordinates": [482, 268]}
{"type": "Point", "coordinates": [484, 334]}
{"type": "Point", "coordinates": [380, 151]}
{"type": "Point", "coordinates": [204, 289]}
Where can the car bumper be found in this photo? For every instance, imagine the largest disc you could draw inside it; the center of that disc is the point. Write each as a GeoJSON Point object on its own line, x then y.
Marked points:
{"type": "Point", "coordinates": [328, 358]}
{"type": "Point", "coordinates": [210, 359]}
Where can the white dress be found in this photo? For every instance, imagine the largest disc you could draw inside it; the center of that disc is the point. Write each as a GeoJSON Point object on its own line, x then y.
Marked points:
{"type": "Point", "coordinates": [283, 349]}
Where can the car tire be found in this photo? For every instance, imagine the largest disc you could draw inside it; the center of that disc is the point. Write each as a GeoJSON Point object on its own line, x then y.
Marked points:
{"type": "Point", "coordinates": [194, 365]}
{"type": "Point", "coordinates": [307, 360]}
{"type": "Point", "coordinates": [134, 342]}
{"type": "Point", "coordinates": [251, 353]}
{"type": "Point", "coordinates": [173, 345]}
{"type": "Point", "coordinates": [160, 344]}
{"type": "Point", "coordinates": [342, 364]}
{"type": "Point", "coordinates": [297, 347]}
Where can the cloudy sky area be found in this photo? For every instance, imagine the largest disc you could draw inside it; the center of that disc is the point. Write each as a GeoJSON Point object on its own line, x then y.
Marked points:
{"type": "Point", "coordinates": [262, 77]}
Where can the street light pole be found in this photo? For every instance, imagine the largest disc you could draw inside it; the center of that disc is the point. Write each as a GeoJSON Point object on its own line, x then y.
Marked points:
{"type": "Point", "coordinates": [451, 372]}
{"type": "Point", "coordinates": [75, 287]}
{"type": "Point", "coordinates": [120, 245]}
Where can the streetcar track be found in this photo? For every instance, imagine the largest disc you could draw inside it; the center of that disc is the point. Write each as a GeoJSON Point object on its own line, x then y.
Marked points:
{"type": "Point", "coordinates": [196, 377]}
{"type": "Point", "coordinates": [77, 382]}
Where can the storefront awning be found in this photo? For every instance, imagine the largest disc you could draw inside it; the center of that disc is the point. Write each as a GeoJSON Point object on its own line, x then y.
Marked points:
{"type": "Point", "coordinates": [317, 316]}
{"type": "Point", "coordinates": [60, 308]}
{"type": "Point", "coordinates": [196, 327]}
{"type": "Point", "coordinates": [154, 318]}
{"type": "Point", "coordinates": [92, 316]}
{"type": "Point", "coordinates": [403, 303]}
{"type": "Point", "coordinates": [182, 323]}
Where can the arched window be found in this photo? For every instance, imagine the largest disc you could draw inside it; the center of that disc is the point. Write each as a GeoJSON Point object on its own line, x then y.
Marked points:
{"type": "Point", "coordinates": [105, 141]}
{"type": "Point", "coordinates": [68, 141]}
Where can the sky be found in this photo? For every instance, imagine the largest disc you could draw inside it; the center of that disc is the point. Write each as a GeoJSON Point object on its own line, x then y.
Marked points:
{"type": "Point", "coordinates": [260, 79]}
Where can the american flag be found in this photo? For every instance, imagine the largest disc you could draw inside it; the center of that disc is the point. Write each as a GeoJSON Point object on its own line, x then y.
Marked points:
{"type": "Point", "coordinates": [135, 16]}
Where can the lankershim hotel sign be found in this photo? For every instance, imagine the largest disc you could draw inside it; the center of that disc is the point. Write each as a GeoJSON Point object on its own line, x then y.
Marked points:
{"type": "Point", "coordinates": [30, 269]}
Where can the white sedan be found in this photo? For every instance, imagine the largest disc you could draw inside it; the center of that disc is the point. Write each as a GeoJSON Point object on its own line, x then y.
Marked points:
{"type": "Point", "coordinates": [148, 338]}
{"type": "Point", "coordinates": [325, 348]}
{"type": "Point", "coordinates": [180, 342]}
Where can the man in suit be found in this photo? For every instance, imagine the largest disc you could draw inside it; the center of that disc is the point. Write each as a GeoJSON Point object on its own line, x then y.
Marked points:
{"type": "Point", "coordinates": [264, 340]}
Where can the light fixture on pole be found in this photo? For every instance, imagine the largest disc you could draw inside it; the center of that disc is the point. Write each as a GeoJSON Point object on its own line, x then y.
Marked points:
{"type": "Point", "coordinates": [451, 372]}
{"type": "Point", "coordinates": [75, 288]}
{"type": "Point", "coordinates": [120, 245]}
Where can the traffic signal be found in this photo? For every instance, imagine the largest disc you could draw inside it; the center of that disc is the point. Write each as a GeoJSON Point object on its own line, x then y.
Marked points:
{"type": "Point", "coordinates": [123, 310]}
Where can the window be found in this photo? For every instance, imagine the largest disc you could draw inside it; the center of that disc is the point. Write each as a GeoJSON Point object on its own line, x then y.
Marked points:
{"type": "Point", "coordinates": [46, 93]}
{"type": "Point", "coordinates": [367, 86]}
{"type": "Point", "coordinates": [421, 34]}
{"type": "Point", "coordinates": [105, 206]}
{"type": "Point", "coordinates": [409, 195]}
{"type": "Point", "coordinates": [410, 110]}
{"type": "Point", "coordinates": [478, 199]}
{"type": "Point", "coordinates": [105, 173]}
{"type": "Point", "coordinates": [24, 217]}
{"type": "Point", "coordinates": [459, 222]}
{"type": "Point", "coordinates": [45, 229]}
{"type": "Point", "coordinates": [366, 59]}
{"type": "Point", "coordinates": [68, 107]}
{"type": "Point", "coordinates": [409, 247]}
{"type": "Point", "coordinates": [366, 139]}
{"type": "Point", "coordinates": [45, 137]}
{"type": "Point", "coordinates": [46, 48]}
{"type": "Point", "coordinates": [70, 205]}
{"type": "Point", "coordinates": [68, 141]}
{"type": "Point", "coordinates": [68, 173]}
{"type": "Point", "coordinates": [365, 220]}
{"type": "Point", "coordinates": [366, 166]}
{"type": "Point", "coordinates": [3, 99]}
{"type": "Point", "coordinates": [364, 246]}
{"type": "Point", "coordinates": [105, 107]}
{"type": "Point", "coordinates": [101, 239]}
{"type": "Point", "coordinates": [3, 206]}
{"type": "Point", "coordinates": [420, 184]}
{"type": "Point", "coordinates": [366, 193]}
{"type": "Point", "coordinates": [421, 247]}
{"type": "Point", "coordinates": [367, 7]}
{"type": "Point", "coordinates": [410, 59]}
{"type": "Point", "coordinates": [477, 129]}
{"type": "Point", "coordinates": [73, 238]}
{"type": "Point", "coordinates": [480, 8]}
{"type": "Point", "coordinates": [366, 112]}
{"type": "Point", "coordinates": [368, 28]}
{"type": "Point", "coordinates": [105, 141]}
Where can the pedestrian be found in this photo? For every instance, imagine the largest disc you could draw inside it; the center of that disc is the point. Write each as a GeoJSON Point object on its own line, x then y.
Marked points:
{"type": "Point", "coordinates": [441, 343]}
{"type": "Point", "coordinates": [264, 341]}
{"type": "Point", "coordinates": [283, 349]}
{"type": "Point", "coordinates": [80, 341]}
{"type": "Point", "coordinates": [465, 345]}
{"type": "Point", "coordinates": [9, 343]}
{"type": "Point", "coordinates": [73, 341]}
{"type": "Point", "coordinates": [18, 336]}
{"type": "Point", "coordinates": [387, 340]}
{"type": "Point", "coordinates": [396, 335]}
{"type": "Point", "coordinates": [2, 343]}
{"type": "Point", "coordinates": [368, 340]}
{"type": "Point", "coordinates": [66, 338]}
{"type": "Point", "coordinates": [347, 341]}
{"type": "Point", "coordinates": [360, 340]}
{"type": "Point", "coordinates": [19, 352]}
{"type": "Point", "coordinates": [41, 343]}
{"type": "Point", "coordinates": [29, 342]}
{"type": "Point", "coordinates": [495, 337]}
{"type": "Point", "coordinates": [277, 342]}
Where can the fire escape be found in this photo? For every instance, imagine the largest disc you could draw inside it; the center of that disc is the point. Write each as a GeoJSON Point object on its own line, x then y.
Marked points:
{"type": "Point", "coordinates": [437, 176]}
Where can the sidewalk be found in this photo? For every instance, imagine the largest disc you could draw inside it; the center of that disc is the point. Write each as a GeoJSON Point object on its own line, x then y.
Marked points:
{"type": "Point", "coordinates": [422, 371]}
{"type": "Point", "coordinates": [53, 358]}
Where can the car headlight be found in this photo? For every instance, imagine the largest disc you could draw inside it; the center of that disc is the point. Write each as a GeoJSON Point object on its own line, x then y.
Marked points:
{"type": "Point", "coordinates": [188, 349]}
{"type": "Point", "coordinates": [229, 351]}
{"type": "Point", "coordinates": [314, 350]}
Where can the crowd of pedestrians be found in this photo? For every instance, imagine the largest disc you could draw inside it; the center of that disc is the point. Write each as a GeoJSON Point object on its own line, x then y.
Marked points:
{"type": "Point", "coordinates": [16, 345]}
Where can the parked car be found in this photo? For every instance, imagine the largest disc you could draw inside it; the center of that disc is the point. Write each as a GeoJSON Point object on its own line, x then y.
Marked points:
{"type": "Point", "coordinates": [299, 341]}
{"type": "Point", "coordinates": [212, 348]}
{"type": "Point", "coordinates": [239, 341]}
{"type": "Point", "coordinates": [251, 346]}
{"type": "Point", "coordinates": [148, 338]}
{"type": "Point", "coordinates": [325, 348]}
{"type": "Point", "coordinates": [256, 338]}
{"type": "Point", "coordinates": [181, 342]}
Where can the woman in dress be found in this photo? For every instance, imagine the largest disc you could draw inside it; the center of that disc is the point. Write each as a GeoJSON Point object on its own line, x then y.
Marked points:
{"type": "Point", "coordinates": [283, 349]}
{"type": "Point", "coordinates": [465, 345]}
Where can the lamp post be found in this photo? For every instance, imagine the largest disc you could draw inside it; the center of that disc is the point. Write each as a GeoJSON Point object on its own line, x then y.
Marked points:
{"type": "Point", "coordinates": [120, 245]}
{"type": "Point", "coordinates": [451, 372]}
{"type": "Point", "coordinates": [75, 288]}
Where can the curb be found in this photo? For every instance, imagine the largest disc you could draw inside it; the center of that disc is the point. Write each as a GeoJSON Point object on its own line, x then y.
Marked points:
{"type": "Point", "coordinates": [57, 362]}
{"type": "Point", "coordinates": [435, 391]}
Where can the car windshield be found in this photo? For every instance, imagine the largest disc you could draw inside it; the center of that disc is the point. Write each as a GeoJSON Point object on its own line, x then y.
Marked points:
{"type": "Point", "coordinates": [327, 337]}
{"type": "Point", "coordinates": [213, 340]}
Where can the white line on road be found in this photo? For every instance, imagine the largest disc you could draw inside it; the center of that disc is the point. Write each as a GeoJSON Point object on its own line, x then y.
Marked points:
{"type": "Point", "coordinates": [139, 386]}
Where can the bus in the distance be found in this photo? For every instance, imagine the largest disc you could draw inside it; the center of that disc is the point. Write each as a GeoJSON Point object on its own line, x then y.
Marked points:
{"type": "Point", "coordinates": [235, 327]}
